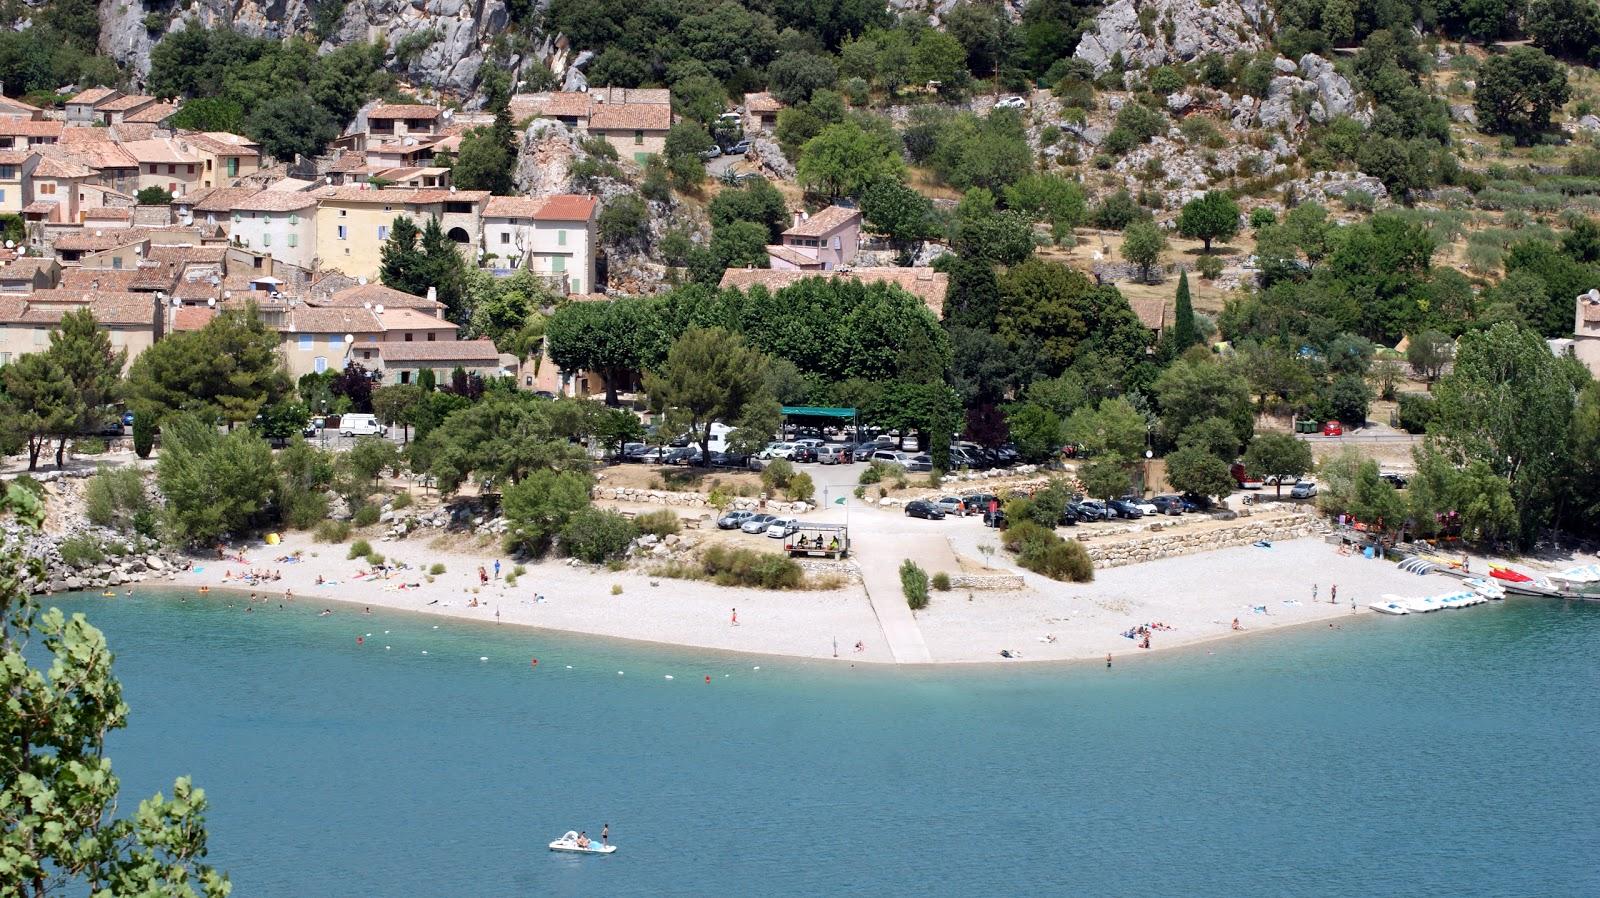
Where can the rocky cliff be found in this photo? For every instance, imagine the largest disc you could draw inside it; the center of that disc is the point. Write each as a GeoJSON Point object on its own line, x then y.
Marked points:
{"type": "Point", "coordinates": [1157, 32]}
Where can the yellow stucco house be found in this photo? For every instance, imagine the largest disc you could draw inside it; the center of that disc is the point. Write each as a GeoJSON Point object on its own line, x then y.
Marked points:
{"type": "Point", "coordinates": [354, 222]}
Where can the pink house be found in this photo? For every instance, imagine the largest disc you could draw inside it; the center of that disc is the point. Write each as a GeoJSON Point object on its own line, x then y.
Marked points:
{"type": "Point", "coordinates": [821, 242]}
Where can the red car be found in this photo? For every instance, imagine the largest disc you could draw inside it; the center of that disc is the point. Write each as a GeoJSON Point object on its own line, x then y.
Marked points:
{"type": "Point", "coordinates": [1333, 429]}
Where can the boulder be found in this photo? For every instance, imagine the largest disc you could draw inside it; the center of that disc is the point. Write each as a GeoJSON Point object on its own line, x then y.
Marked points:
{"type": "Point", "coordinates": [1173, 31]}
{"type": "Point", "coordinates": [1334, 91]}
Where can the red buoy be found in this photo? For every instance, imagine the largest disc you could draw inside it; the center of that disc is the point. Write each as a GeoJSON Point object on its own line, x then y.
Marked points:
{"type": "Point", "coordinates": [708, 679]}
{"type": "Point", "coordinates": [359, 640]}
{"type": "Point", "coordinates": [534, 663]}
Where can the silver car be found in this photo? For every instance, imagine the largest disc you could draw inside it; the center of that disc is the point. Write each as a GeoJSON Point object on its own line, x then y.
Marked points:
{"type": "Point", "coordinates": [757, 523]}
{"type": "Point", "coordinates": [950, 505]}
{"type": "Point", "coordinates": [830, 455]}
{"type": "Point", "coordinates": [782, 527]}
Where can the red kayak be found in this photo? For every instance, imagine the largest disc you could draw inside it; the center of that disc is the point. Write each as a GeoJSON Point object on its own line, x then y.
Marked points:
{"type": "Point", "coordinates": [1505, 573]}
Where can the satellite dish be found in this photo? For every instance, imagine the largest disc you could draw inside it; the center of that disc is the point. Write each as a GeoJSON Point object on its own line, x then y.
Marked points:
{"type": "Point", "coordinates": [349, 338]}
{"type": "Point", "coordinates": [10, 244]}
{"type": "Point", "coordinates": [211, 303]}
{"type": "Point", "coordinates": [378, 308]}
{"type": "Point", "coordinates": [227, 294]}
{"type": "Point", "coordinates": [366, 305]}
{"type": "Point", "coordinates": [176, 302]}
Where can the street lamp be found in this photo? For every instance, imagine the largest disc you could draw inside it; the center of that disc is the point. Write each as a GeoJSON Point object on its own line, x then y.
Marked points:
{"type": "Point", "coordinates": [1148, 454]}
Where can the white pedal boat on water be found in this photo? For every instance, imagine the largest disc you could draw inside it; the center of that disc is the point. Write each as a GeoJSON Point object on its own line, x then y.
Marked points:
{"type": "Point", "coordinates": [569, 842]}
{"type": "Point", "coordinates": [1485, 587]}
{"type": "Point", "coordinates": [1390, 605]}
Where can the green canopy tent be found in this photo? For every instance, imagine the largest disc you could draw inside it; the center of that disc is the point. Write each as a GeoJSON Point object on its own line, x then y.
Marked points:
{"type": "Point", "coordinates": [793, 414]}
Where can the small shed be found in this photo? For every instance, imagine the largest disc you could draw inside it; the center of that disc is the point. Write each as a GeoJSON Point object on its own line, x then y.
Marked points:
{"type": "Point", "coordinates": [818, 540]}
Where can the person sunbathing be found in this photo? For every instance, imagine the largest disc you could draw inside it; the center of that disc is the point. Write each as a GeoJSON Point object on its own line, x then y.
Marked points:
{"type": "Point", "coordinates": [583, 840]}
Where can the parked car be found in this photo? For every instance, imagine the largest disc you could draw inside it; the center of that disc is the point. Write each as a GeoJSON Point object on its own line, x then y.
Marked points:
{"type": "Point", "coordinates": [1069, 518]}
{"type": "Point", "coordinates": [1398, 481]}
{"type": "Point", "coordinates": [995, 519]}
{"type": "Point", "coordinates": [1192, 502]}
{"type": "Point", "coordinates": [803, 454]}
{"type": "Point", "coordinates": [757, 523]}
{"type": "Point", "coordinates": [777, 450]}
{"type": "Point", "coordinates": [1124, 509]}
{"type": "Point", "coordinates": [111, 429]}
{"type": "Point", "coordinates": [309, 430]}
{"type": "Point", "coordinates": [1168, 505]}
{"type": "Point", "coordinates": [733, 520]}
{"type": "Point", "coordinates": [1333, 429]}
{"type": "Point", "coordinates": [647, 455]}
{"type": "Point", "coordinates": [1011, 103]}
{"type": "Point", "coordinates": [833, 455]}
{"type": "Point", "coordinates": [127, 419]}
{"type": "Point", "coordinates": [711, 153]}
{"type": "Point", "coordinates": [890, 456]}
{"type": "Point", "coordinates": [922, 462]}
{"type": "Point", "coordinates": [1089, 510]}
{"type": "Point", "coordinates": [863, 451]}
{"type": "Point", "coordinates": [1144, 505]}
{"type": "Point", "coordinates": [740, 148]}
{"type": "Point", "coordinates": [950, 505]}
{"type": "Point", "coordinates": [812, 442]}
{"type": "Point", "coordinates": [918, 508]}
{"type": "Point", "coordinates": [361, 425]}
{"type": "Point", "coordinates": [730, 460]}
{"type": "Point", "coordinates": [684, 455]}
{"type": "Point", "coordinates": [1305, 489]}
{"type": "Point", "coordinates": [979, 504]}
{"type": "Point", "coordinates": [782, 527]}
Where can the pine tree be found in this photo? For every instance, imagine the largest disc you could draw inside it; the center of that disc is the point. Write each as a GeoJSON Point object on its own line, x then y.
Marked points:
{"type": "Point", "coordinates": [402, 266]}
{"type": "Point", "coordinates": [1184, 332]}
{"type": "Point", "coordinates": [84, 353]}
{"type": "Point", "coordinates": [443, 269]}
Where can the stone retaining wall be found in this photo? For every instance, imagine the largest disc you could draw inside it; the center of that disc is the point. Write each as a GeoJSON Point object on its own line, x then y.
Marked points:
{"type": "Point", "coordinates": [986, 581]}
{"type": "Point", "coordinates": [1166, 545]}
{"type": "Point", "coordinates": [674, 498]}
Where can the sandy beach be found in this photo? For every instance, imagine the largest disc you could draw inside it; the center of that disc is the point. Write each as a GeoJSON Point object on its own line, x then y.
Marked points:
{"type": "Point", "coordinates": [1189, 600]}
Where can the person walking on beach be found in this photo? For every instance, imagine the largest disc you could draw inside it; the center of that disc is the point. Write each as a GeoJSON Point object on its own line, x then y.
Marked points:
{"type": "Point", "coordinates": [497, 568]}
{"type": "Point", "coordinates": [483, 576]}
{"type": "Point", "coordinates": [735, 617]}
{"type": "Point", "coordinates": [1108, 660]}
{"type": "Point", "coordinates": [1313, 593]}
{"type": "Point", "coordinates": [1333, 594]}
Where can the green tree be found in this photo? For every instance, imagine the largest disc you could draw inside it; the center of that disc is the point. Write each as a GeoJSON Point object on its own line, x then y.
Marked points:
{"type": "Point", "coordinates": [1115, 427]}
{"type": "Point", "coordinates": [210, 114]}
{"type": "Point", "coordinates": [396, 404]}
{"type": "Point", "coordinates": [709, 375]}
{"type": "Point", "coordinates": [402, 265]}
{"type": "Point", "coordinates": [43, 403]}
{"type": "Point", "coordinates": [1192, 391]}
{"type": "Point", "coordinates": [444, 270]}
{"type": "Point", "coordinates": [1518, 91]}
{"type": "Point", "coordinates": [1036, 431]}
{"type": "Point", "coordinates": [1058, 316]}
{"type": "Point", "coordinates": [898, 212]}
{"type": "Point", "coordinates": [1428, 354]}
{"type": "Point", "coordinates": [1142, 243]}
{"type": "Point", "coordinates": [153, 196]}
{"type": "Point", "coordinates": [486, 162]}
{"type": "Point", "coordinates": [685, 142]}
{"type": "Point", "coordinates": [1106, 477]}
{"type": "Point", "coordinates": [1049, 197]}
{"type": "Point", "coordinates": [1217, 436]}
{"type": "Point", "coordinates": [1278, 454]}
{"type": "Point", "coordinates": [1194, 471]}
{"type": "Point", "coordinates": [502, 438]}
{"type": "Point", "coordinates": [370, 456]}
{"type": "Point", "coordinates": [95, 369]}
{"type": "Point", "coordinates": [981, 231]}
{"type": "Point", "coordinates": [755, 201]}
{"type": "Point", "coordinates": [614, 339]}
{"type": "Point", "coordinates": [213, 484]}
{"type": "Point", "coordinates": [1184, 333]}
{"type": "Point", "coordinates": [797, 74]}
{"type": "Point", "coordinates": [539, 505]}
{"type": "Point", "coordinates": [1349, 399]}
{"type": "Point", "coordinates": [844, 160]}
{"type": "Point", "coordinates": [59, 795]}
{"type": "Point", "coordinates": [1214, 216]}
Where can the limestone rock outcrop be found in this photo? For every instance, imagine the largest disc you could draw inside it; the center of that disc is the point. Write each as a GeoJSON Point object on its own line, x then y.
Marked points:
{"type": "Point", "coordinates": [1157, 32]}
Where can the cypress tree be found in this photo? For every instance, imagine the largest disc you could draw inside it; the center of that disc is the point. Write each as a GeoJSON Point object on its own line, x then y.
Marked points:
{"type": "Point", "coordinates": [1184, 333]}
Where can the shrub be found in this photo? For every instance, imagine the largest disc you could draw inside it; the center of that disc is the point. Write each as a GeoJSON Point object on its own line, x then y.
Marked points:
{"type": "Point", "coordinates": [367, 515]}
{"type": "Point", "coordinates": [518, 570]}
{"type": "Point", "coordinates": [303, 510]}
{"type": "Point", "coordinates": [1023, 534]}
{"type": "Point", "coordinates": [1414, 412]}
{"type": "Point", "coordinates": [89, 446]}
{"type": "Point", "coordinates": [914, 583]}
{"type": "Point", "coordinates": [1058, 559]}
{"type": "Point", "coordinates": [116, 498]}
{"type": "Point", "coordinates": [616, 589]}
{"type": "Point", "coordinates": [1261, 216]}
{"type": "Point", "coordinates": [436, 569]}
{"type": "Point", "coordinates": [359, 548]}
{"type": "Point", "coordinates": [728, 566]}
{"type": "Point", "coordinates": [511, 579]}
{"type": "Point", "coordinates": [375, 559]}
{"type": "Point", "coordinates": [660, 523]}
{"type": "Point", "coordinates": [144, 436]}
{"type": "Point", "coordinates": [595, 535]}
{"type": "Point", "coordinates": [777, 474]}
{"type": "Point", "coordinates": [81, 551]}
{"type": "Point", "coordinates": [331, 531]}
{"type": "Point", "coordinates": [31, 485]}
{"type": "Point", "coordinates": [1210, 267]}
{"type": "Point", "coordinates": [941, 581]}
{"type": "Point", "coordinates": [801, 488]}
{"type": "Point", "coordinates": [401, 501]}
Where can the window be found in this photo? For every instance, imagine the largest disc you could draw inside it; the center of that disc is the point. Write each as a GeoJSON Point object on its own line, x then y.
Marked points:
{"type": "Point", "coordinates": [266, 239]}
{"type": "Point", "coordinates": [334, 340]}
{"type": "Point", "coordinates": [8, 172]}
{"type": "Point", "coordinates": [172, 169]}
{"type": "Point", "coordinates": [561, 237]}
{"type": "Point", "coordinates": [294, 219]}
{"type": "Point", "coordinates": [558, 263]}
{"type": "Point", "coordinates": [638, 138]}
{"type": "Point", "coordinates": [431, 335]}
{"type": "Point", "coordinates": [47, 188]}
{"type": "Point", "coordinates": [2, 194]}
{"type": "Point", "coordinates": [343, 235]}
{"type": "Point", "coordinates": [116, 263]}
{"type": "Point", "coordinates": [233, 167]}
{"type": "Point", "coordinates": [383, 232]}
{"type": "Point", "coordinates": [343, 212]}
{"type": "Point", "coordinates": [191, 169]}
{"type": "Point", "coordinates": [405, 377]}
{"type": "Point", "coordinates": [835, 242]}
{"type": "Point", "coordinates": [307, 341]}
{"type": "Point", "coordinates": [294, 240]}
{"type": "Point", "coordinates": [320, 364]}
{"type": "Point", "coordinates": [576, 285]}
{"type": "Point", "coordinates": [372, 338]}
{"type": "Point", "coordinates": [366, 354]}
{"type": "Point", "coordinates": [505, 236]}
{"type": "Point", "coordinates": [408, 337]}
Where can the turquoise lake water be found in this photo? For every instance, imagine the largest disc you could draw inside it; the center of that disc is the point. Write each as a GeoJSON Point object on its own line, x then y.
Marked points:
{"type": "Point", "coordinates": [1451, 754]}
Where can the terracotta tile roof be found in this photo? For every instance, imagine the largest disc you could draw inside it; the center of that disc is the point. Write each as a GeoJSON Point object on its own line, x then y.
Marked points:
{"type": "Point", "coordinates": [630, 117]}
{"type": "Point", "coordinates": [159, 151]}
{"type": "Point", "coordinates": [277, 201]}
{"type": "Point", "coordinates": [513, 207]}
{"type": "Point", "coordinates": [14, 157]}
{"type": "Point", "coordinates": [761, 102]}
{"type": "Point", "coordinates": [924, 283]}
{"type": "Point", "coordinates": [550, 104]}
{"type": "Point", "coordinates": [153, 114]}
{"type": "Point", "coordinates": [91, 241]}
{"type": "Point", "coordinates": [824, 222]}
{"type": "Point", "coordinates": [348, 161]}
{"type": "Point", "coordinates": [192, 318]}
{"type": "Point", "coordinates": [403, 319]}
{"type": "Point", "coordinates": [152, 276]}
{"type": "Point", "coordinates": [48, 307]}
{"type": "Point", "coordinates": [404, 110]}
{"type": "Point", "coordinates": [222, 199]}
{"type": "Point", "coordinates": [127, 130]}
{"type": "Point", "coordinates": [1152, 312]}
{"type": "Point", "coordinates": [25, 268]}
{"type": "Point", "coordinates": [221, 143]}
{"type": "Point", "coordinates": [792, 256]}
{"type": "Point", "coordinates": [472, 351]}
{"type": "Point", "coordinates": [567, 207]}
{"type": "Point", "coordinates": [101, 156]}
{"type": "Point", "coordinates": [184, 255]}
{"type": "Point", "coordinates": [93, 95]}
{"type": "Point", "coordinates": [126, 103]}
{"type": "Point", "coordinates": [83, 137]}
{"type": "Point", "coordinates": [659, 96]}
{"type": "Point", "coordinates": [53, 167]}
{"type": "Point", "coordinates": [108, 213]}
{"type": "Point", "coordinates": [14, 127]}
{"type": "Point", "coordinates": [14, 103]}
{"type": "Point", "coordinates": [433, 195]}
{"type": "Point", "coordinates": [112, 279]}
{"type": "Point", "coordinates": [313, 320]}
{"type": "Point", "coordinates": [377, 294]}
{"type": "Point", "coordinates": [39, 207]}
{"type": "Point", "coordinates": [1591, 311]}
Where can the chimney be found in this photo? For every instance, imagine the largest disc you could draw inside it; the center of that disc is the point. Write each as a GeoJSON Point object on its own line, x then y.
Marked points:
{"type": "Point", "coordinates": [433, 294]}
{"type": "Point", "coordinates": [799, 216]}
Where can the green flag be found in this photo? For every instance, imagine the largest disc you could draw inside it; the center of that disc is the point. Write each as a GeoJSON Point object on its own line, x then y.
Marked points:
{"type": "Point", "coordinates": [839, 501]}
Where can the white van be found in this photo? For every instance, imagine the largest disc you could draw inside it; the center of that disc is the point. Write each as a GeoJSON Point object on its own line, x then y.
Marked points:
{"type": "Point", "coordinates": [361, 426]}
